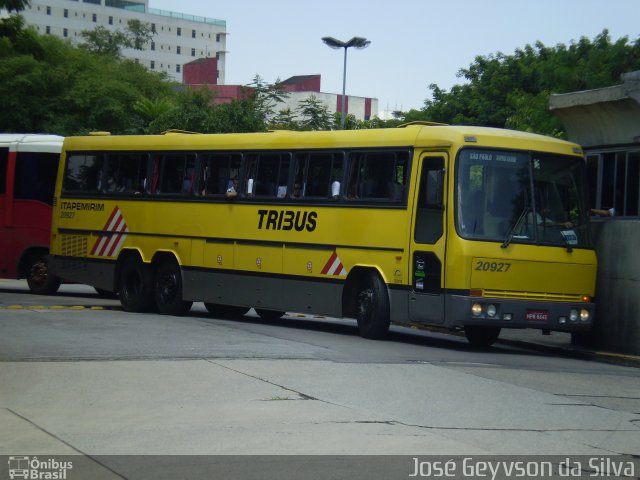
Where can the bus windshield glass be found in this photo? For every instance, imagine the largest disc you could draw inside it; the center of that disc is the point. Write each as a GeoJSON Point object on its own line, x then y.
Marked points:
{"type": "Point", "coordinates": [521, 197]}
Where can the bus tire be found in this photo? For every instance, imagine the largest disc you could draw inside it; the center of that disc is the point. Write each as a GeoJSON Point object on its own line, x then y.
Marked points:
{"type": "Point", "coordinates": [168, 290]}
{"type": "Point", "coordinates": [372, 307]}
{"type": "Point", "coordinates": [269, 315]}
{"type": "Point", "coordinates": [40, 280]}
{"type": "Point", "coordinates": [225, 311]}
{"type": "Point", "coordinates": [136, 285]}
{"type": "Point", "coordinates": [481, 337]}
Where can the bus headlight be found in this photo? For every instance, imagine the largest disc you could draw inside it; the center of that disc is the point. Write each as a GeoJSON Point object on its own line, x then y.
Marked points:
{"type": "Point", "coordinates": [573, 315]}
{"type": "Point", "coordinates": [584, 315]}
{"type": "Point", "coordinates": [491, 310]}
{"type": "Point", "coordinates": [476, 309]}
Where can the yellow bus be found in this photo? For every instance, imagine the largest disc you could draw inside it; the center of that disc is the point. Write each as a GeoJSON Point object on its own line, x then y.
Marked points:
{"type": "Point", "coordinates": [459, 227]}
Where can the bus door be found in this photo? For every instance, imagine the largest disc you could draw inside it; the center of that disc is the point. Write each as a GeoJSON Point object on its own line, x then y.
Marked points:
{"type": "Point", "coordinates": [428, 239]}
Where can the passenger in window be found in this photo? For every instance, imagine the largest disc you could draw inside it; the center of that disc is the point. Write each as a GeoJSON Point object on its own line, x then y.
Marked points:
{"type": "Point", "coordinates": [544, 220]}
{"type": "Point", "coordinates": [297, 191]}
{"type": "Point", "coordinates": [604, 212]}
{"type": "Point", "coordinates": [232, 189]}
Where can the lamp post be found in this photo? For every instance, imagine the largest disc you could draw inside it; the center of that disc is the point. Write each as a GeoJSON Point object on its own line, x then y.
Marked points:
{"type": "Point", "coordinates": [356, 42]}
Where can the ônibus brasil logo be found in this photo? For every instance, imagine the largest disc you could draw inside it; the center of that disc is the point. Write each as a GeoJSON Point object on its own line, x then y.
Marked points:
{"type": "Point", "coordinates": [33, 468]}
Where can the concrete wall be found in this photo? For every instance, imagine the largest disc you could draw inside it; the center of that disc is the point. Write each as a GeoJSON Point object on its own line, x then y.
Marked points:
{"type": "Point", "coordinates": [363, 108]}
{"type": "Point", "coordinates": [618, 286]}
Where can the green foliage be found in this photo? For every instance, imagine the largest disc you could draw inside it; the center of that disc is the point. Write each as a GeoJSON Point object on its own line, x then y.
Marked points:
{"type": "Point", "coordinates": [15, 39]}
{"type": "Point", "coordinates": [103, 41]}
{"type": "Point", "coordinates": [52, 87]}
{"type": "Point", "coordinates": [284, 120]}
{"type": "Point", "coordinates": [314, 115]}
{"type": "Point", "coordinates": [14, 5]}
{"type": "Point", "coordinates": [67, 90]}
{"type": "Point", "coordinates": [267, 96]}
{"type": "Point", "coordinates": [194, 111]}
{"type": "Point", "coordinates": [513, 90]}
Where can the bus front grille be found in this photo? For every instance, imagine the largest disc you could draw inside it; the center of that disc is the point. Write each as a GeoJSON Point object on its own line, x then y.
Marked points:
{"type": "Point", "coordinates": [542, 296]}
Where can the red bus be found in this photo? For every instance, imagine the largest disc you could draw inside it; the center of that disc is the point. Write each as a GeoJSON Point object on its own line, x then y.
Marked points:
{"type": "Point", "coordinates": [28, 168]}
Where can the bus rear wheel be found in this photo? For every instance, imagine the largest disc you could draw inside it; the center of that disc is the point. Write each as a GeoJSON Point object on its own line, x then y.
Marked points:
{"type": "Point", "coordinates": [481, 337]}
{"type": "Point", "coordinates": [372, 308]}
{"type": "Point", "coordinates": [40, 280]}
{"type": "Point", "coordinates": [269, 315]}
{"type": "Point", "coordinates": [136, 285]}
{"type": "Point", "coordinates": [225, 311]}
{"type": "Point", "coordinates": [168, 290]}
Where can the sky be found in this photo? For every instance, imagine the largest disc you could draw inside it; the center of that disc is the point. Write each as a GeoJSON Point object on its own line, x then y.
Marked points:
{"type": "Point", "coordinates": [414, 43]}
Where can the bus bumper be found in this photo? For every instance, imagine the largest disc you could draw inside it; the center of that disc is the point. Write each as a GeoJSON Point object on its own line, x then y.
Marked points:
{"type": "Point", "coordinates": [511, 313]}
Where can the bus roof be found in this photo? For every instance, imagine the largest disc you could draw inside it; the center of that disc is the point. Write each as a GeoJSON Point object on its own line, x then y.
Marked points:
{"type": "Point", "coordinates": [426, 136]}
{"type": "Point", "coordinates": [31, 142]}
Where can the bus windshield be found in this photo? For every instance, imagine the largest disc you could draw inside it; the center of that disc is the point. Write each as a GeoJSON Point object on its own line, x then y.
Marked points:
{"type": "Point", "coordinates": [521, 197]}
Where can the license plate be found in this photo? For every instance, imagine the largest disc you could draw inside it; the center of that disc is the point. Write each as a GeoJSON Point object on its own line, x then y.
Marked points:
{"type": "Point", "coordinates": [537, 316]}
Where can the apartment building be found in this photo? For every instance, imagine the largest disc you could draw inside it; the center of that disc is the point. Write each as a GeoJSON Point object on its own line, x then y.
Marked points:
{"type": "Point", "coordinates": [178, 38]}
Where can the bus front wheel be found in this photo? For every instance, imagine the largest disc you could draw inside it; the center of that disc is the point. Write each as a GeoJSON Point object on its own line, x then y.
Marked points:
{"type": "Point", "coordinates": [168, 290]}
{"type": "Point", "coordinates": [372, 308]}
{"type": "Point", "coordinates": [136, 285]}
{"type": "Point", "coordinates": [40, 280]}
{"type": "Point", "coordinates": [481, 337]}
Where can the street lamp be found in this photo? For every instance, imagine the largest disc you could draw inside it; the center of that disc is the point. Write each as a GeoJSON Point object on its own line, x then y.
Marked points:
{"type": "Point", "coordinates": [357, 42]}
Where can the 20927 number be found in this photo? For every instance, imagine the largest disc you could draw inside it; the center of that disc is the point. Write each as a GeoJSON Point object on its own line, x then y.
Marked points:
{"type": "Point", "coordinates": [500, 267]}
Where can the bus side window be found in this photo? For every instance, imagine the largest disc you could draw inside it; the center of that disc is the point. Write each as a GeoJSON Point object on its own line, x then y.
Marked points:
{"type": "Point", "coordinates": [378, 175]}
{"type": "Point", "coordinates": [299, 174]}
{"type": "Point", "coordinates": [220, 171]}
{"type": "Point", "coordinates": [125, 173]}
{"type": "Point", "coordinates": [396, 185]}
{"type": "Point", "coordinates": [268, 175]}
{"type": "Point", "coordinates": [173, 174]}
{"type": "Point", "coordinates": [33, 175]}
{"type": "Point", "coordinates": [324, 175]}
{"type": "Point", "coordinates": [83, 173]}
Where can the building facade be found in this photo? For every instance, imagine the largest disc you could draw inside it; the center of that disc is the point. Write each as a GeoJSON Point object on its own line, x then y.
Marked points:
{"type": "Point", "coordinates": [606, 122]}
{"type": "Point", "coordinates": [178, 38]}
{"type": "Point", "coordinates": [299, 88]}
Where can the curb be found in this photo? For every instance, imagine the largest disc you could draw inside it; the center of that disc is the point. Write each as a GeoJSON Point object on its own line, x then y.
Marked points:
{"type": "Point", "coordinates": [577, 352]}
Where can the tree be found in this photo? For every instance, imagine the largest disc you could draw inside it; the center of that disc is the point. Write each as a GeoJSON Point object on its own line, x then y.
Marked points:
{"type": "Point", "coordinates": [285, 120]}
{"type": "Point", "coordinates": [513, 90]}
{"type": "Point", "coordinates": [148, 109]}
{"type": "Point", "coordinates": [14, 5]}
{"type": "Point", "coordinates": [195, 111]}
{"type": "Point", "coordinates": [314, 115]}
{"type": "Point", "coordinates": [66, 90]}
{"type": "Point", "coordinates": [266, 96]}
{"type": "Point", "coordinates": [103, 41]}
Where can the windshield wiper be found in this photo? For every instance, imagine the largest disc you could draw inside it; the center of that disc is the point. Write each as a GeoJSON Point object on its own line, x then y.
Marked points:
{"type": "Point", "coordinates": [509, 237]}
